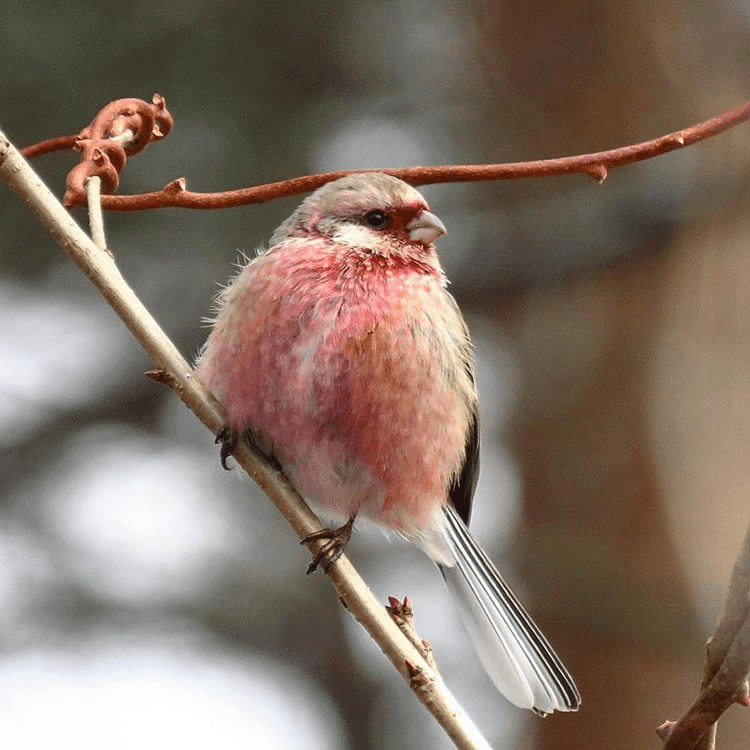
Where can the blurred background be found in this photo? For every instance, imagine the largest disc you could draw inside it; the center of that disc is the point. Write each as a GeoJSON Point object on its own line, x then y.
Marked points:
{"type": "Point", "coordinates": [150, 599]}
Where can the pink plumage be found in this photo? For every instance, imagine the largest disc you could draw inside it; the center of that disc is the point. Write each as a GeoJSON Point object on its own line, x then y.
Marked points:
{"type": "Point", "coordinates": [340, 352]}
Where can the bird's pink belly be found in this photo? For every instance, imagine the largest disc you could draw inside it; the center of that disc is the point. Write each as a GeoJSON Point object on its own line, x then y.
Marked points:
{"type": "Point", "coordinates": [367, 425]}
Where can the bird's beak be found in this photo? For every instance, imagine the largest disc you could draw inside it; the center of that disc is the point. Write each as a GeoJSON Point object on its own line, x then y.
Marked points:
{"type": "Point", "coordinates": [425, 228]}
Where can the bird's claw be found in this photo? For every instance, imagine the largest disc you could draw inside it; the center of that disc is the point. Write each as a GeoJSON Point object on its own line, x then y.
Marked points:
{"type": "Point", "coordinates": [333, 549]}
{"type": "Point", "coordinates": [228, 439]}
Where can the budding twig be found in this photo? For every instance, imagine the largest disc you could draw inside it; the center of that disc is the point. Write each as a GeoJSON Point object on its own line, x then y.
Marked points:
{"type": "Point", "coordinates": [403, 615]}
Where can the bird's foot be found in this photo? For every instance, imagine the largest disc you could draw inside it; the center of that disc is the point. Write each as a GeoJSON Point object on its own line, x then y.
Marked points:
{"type": "Point", "coordinates": [228, 439]}
{"type": "Point", "coordinates": [332, 549]}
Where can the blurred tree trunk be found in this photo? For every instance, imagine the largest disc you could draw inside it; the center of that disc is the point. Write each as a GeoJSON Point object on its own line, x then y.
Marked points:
{"type": "Point", "coordinates": [633, 427]}
{"type": "Point", "coordinates": [597, 549]}
{"type": "Point", "coordinates": [634, 430]}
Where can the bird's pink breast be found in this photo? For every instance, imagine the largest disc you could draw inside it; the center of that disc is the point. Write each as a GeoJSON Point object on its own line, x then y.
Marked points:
{"type": "Point", "coordinates": [351, 369]}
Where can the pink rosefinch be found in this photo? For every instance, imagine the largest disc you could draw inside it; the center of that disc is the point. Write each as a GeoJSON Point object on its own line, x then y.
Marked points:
{"type": "Point", "coordinates": [341, 355]}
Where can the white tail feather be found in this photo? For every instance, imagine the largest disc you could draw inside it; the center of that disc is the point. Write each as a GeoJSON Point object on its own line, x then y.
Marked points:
{"type": "Point", "coordinates": [512, 649]}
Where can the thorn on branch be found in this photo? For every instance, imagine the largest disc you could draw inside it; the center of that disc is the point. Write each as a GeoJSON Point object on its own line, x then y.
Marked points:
{"type": "Point", "coordinates": [162, 376]}
{"type": "Point", "coordinates": [176, 186]}
{"type": "Point", "coordinates": [598, 171]}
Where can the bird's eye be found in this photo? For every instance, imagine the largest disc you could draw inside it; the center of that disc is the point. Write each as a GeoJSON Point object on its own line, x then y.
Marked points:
{"type": "Point", "coordinates": [377, 219]}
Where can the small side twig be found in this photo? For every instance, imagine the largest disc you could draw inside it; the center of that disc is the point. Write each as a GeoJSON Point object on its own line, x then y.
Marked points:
{"type": "Point", "coordinates": [96, 216]}
{"type": "Point", "coordinates": [93, 186]}
{"type": "Point", "coordinates": [727, 665]}
{"type": "Point", "coordinates": [402, 613]}
{"type": "Point", "coordinates": [63, 143]}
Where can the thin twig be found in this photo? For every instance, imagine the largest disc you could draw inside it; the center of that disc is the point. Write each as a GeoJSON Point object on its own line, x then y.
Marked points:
{"type": "Point", "coordinates": [93, 188]}
{"type": "Point", "coordinates": [735, 611]}
{"type": "Point", "coordinates": [726, 668]}
{"type": "Point", "coordinates": [153, 121]}
{"type": "Point", "coordinates": [101, 270]}
{"type": "Point", "coordinates": [96, 215]}
{"type": "Point", "coordinates": [63, 143]}
{"type": "Point", "coordinates": [402, 613]}
{"type": "Point", "coordinates": [596, 165]}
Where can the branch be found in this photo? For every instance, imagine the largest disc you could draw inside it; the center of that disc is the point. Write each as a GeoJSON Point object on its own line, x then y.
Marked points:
{"type": "Point", "coordinates": [63, 143]}
{"type": "Point", "coordinates": [123, 128]}
{"type": "Point", "coordinates": [596, 165]}
{"type": "Point", "coordinates": [96, 218]}
{"type": "Point", "coordinates": [101, 270]}
{"type": "Point", "coordinates": [402, 614]}
{"type": "Point", "coordinates": [726, 668]}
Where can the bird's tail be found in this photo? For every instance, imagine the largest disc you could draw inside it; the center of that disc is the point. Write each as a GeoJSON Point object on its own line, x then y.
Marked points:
{"type": "Point", "coordinates": [511, 647]}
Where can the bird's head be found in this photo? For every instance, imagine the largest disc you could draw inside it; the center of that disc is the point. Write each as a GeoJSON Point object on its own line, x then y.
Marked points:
{"type": "Point", "coordinates": [372, 211]}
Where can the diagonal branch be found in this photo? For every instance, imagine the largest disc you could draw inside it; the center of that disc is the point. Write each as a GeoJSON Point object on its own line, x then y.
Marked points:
{"type": "Point", "coordinates": [101, 270]}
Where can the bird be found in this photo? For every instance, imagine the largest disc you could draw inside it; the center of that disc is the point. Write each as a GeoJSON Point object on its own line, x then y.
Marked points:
{"type": "Point", "coordinates": [339, 352]}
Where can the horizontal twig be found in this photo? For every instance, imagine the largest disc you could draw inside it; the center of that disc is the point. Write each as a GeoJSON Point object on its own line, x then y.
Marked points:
{"type": "Point", "coordinates": [175, 195]}
{"type": "Point", "coordinates": [595, 165]}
